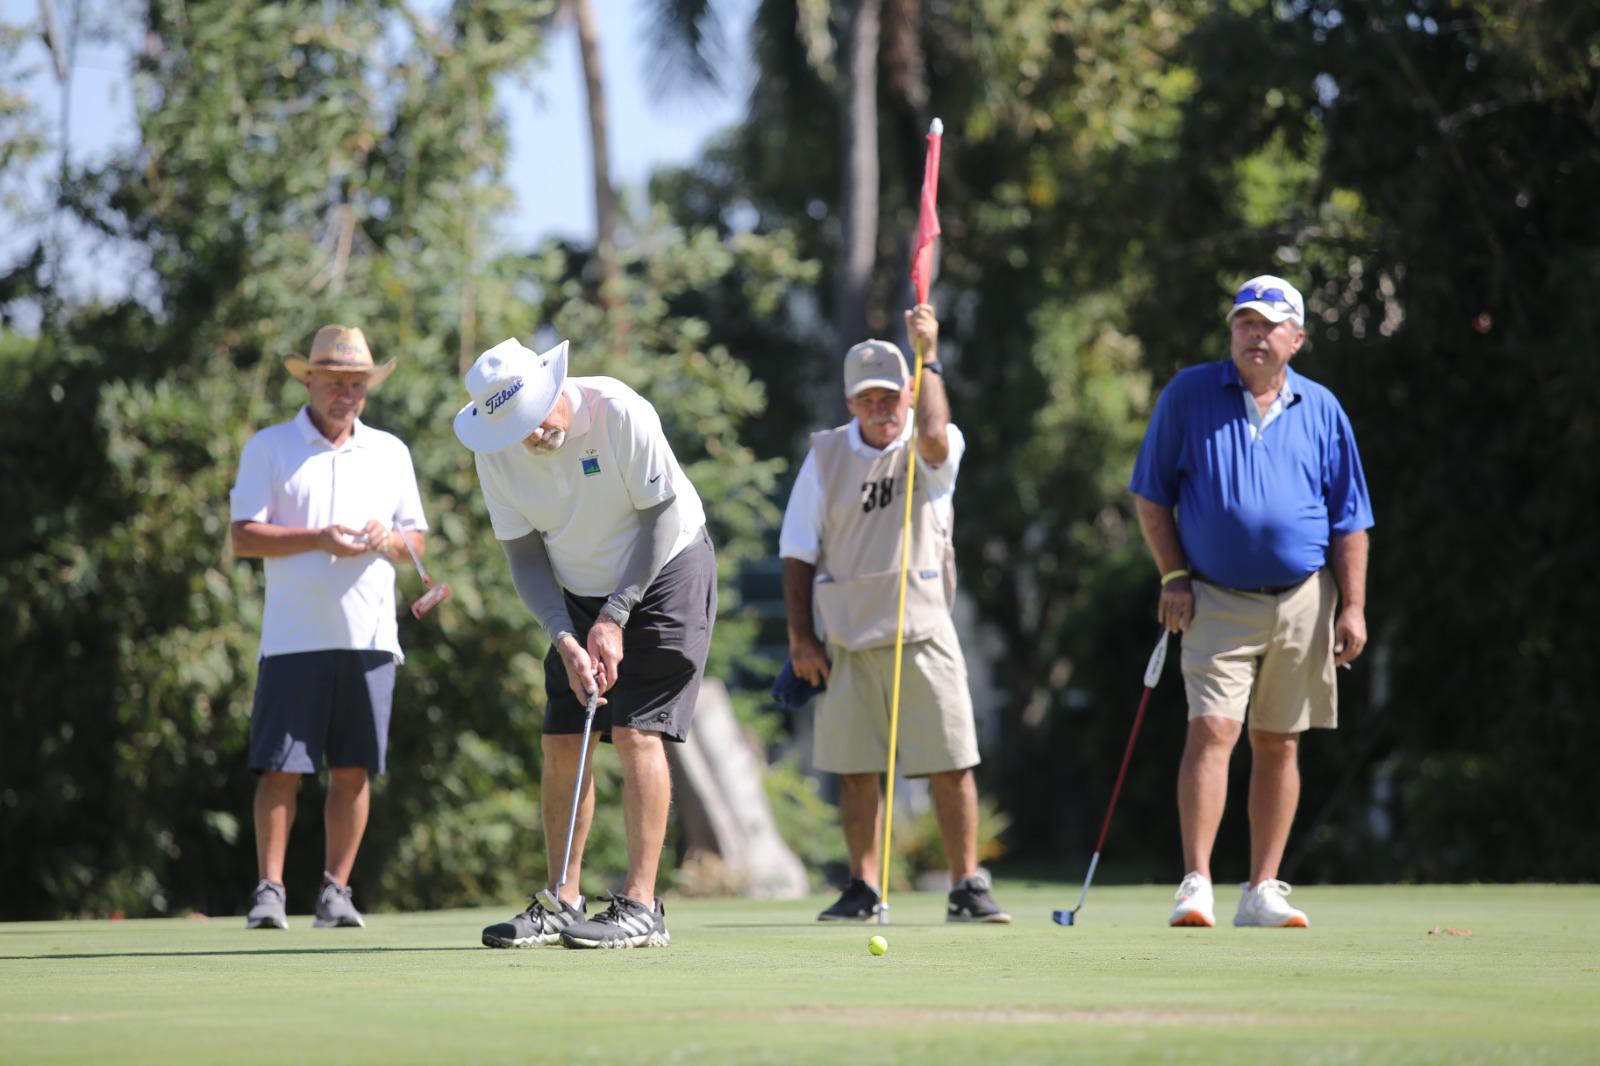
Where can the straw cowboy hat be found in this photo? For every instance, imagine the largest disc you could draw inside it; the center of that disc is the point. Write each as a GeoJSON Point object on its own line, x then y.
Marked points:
{"type": "Point", "coordinates": [343, 350]}
{"type": "Point", "coordinates": [513, 390]}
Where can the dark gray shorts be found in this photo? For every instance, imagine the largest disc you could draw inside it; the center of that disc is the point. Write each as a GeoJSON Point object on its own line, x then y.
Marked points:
{"type": "Point", "coordinates": [312, 703]}
{"type": "Point", "coordinates": [664, 650]}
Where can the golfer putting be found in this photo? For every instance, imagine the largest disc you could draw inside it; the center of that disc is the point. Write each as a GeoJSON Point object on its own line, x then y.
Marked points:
{"type": "Point", "coordinates": [607, 546]}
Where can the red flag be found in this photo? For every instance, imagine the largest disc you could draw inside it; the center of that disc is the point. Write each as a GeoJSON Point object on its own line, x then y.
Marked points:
{"type": "Point", "coordinates": [928, 219]}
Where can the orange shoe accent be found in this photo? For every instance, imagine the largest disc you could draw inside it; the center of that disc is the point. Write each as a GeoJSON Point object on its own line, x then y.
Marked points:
{"type": "Point", "coordinates": [1194, 919]}
{"type": "Point", "coordinates": [1296, 922]}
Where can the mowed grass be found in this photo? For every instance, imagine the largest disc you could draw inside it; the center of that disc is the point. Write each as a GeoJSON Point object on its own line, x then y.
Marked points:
{"type": "Point", "coordinates": [752, 981]}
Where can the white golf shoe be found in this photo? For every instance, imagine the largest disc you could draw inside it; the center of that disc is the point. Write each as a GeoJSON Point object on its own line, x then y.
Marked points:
{"type": "Point", "coordinates": [1195, 902]}
{"type": "Point", "coordinates": [1266, 905]}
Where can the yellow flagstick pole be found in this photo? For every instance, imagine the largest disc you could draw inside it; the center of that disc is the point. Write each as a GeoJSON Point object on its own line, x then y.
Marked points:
{"type": "Point", "coordinates": [921, 277]}
{"type": "Point", "coordinates": [899, 640]}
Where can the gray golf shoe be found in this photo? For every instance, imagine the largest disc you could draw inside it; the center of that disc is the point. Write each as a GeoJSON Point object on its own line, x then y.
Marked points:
{"type": "Point", "coordinates": [627, 923]}
{"type": "Point", "coordinates": [534, 927]}
{"type": "Point", "coordinates": [335, 910]}
{"type": "Point", "coordinates": [267, 907]}
{"type": "Point", "coordinates": [970, 901]}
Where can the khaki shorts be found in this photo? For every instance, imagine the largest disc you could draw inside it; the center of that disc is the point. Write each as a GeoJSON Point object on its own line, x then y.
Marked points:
{"type": "Point", "coordinates": [1270, 656]}
{"type": "Point", "coordinates": [936, 732]}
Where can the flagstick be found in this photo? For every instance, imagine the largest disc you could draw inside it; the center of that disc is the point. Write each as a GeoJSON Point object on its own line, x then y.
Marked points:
{"type": "Point", "coordinates": [930, 187]}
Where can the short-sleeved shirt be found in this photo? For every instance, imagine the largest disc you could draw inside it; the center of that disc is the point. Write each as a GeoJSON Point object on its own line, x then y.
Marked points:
{"type": "Point", "coordinates": [584, 497]}
{"type": "Point", "coordinates": [801, 535]}
{"type": "Point", "coordinates": [1255, 509]}
{"type": "Point", "coordinates": [291, 475]}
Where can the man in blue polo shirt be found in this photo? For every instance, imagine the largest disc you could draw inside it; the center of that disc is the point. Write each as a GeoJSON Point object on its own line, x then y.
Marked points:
{"type": "Point", "coordinates": [1251, 497]}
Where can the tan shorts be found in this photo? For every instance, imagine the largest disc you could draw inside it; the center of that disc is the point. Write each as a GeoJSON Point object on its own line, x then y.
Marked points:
{"type": "Point", "coordinates": [935, 733]}
{"type": "Point", "coordinates": [1269, 655]}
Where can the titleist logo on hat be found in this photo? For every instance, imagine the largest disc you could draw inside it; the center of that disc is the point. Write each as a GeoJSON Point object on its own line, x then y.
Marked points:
{"type": "Point", "coordinates": [503, 395]}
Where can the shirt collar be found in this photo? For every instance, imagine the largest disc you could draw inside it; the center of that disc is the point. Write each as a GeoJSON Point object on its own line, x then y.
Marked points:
{"type": "Point", "coordinates": [1288, 394]}
{"type": "Point", "coordinates": [311, 434]}
{"type": "Point", "coordinates": [582, 413]}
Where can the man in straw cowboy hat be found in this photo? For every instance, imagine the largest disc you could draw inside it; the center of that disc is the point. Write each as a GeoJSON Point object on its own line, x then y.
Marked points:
{"type": "Point", "coordinates": [607, 544]}
{"type": "Point", "coordinates": [324, 499]}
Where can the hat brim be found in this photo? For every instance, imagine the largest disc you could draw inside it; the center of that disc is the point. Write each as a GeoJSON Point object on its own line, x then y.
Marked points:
{"type": "Point", "coordinates": [377, 374]}
{"type": "Point", "coordinates": [519, 416]}
{"type": "Point", "coordinates": [876, 383]}
{"type": "Point", "coordinates": [1266, 310]}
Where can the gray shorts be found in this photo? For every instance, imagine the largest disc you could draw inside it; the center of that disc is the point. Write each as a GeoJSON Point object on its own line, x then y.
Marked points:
{"type": "Point", "coordinates": [312, 703]}
{"type": "Point", "coordinates": [664, 648]}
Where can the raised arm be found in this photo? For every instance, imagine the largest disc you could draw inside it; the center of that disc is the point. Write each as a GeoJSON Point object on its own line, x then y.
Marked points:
{"type": "Point", "coordinates": [933, 405]}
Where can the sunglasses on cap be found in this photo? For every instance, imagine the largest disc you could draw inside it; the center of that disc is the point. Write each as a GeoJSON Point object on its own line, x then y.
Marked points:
{"type": "Point", "coordinates": [1274, 296]}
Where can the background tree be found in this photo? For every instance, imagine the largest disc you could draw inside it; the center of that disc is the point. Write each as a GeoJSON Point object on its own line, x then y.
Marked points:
{"type": "Point", "coordinates": [301, 163]}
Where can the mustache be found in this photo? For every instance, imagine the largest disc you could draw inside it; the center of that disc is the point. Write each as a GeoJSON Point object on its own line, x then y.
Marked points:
{"type": "Point", "coordinates": [882, 420]}
{"type": "Point", "coordinates": [550, 442]}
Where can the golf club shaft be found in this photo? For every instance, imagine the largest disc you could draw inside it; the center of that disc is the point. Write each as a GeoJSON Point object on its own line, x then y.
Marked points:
{"type": "Point", "coordinates": [1116, 790]}
{"type": "Point", "coordinates": [415, 558]}
{"type": "Point", "coordinates": [577, 785]}
{"type": "Point", "coordinates": [1095, 861]}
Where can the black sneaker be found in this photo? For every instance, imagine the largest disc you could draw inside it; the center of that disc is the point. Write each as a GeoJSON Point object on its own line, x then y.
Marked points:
{"type": "Point", "coordinates": [534, 927]}
{"type": "Point", "coordinates": [627, 923]}
{"type": "Point", "coordinates": [970, 902]}
{"type": "Point", "coordinates": [858, 903]}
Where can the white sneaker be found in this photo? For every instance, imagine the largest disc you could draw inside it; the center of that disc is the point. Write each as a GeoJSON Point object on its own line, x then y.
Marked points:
{"type": "Point", "coordinates": [1195, 902]}
{"type": "Point", "coordinates": [1265, 905]}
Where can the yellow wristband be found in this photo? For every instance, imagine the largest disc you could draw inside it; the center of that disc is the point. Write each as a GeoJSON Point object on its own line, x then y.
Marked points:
{"type": "Point", "coordinates": [1172, 575]}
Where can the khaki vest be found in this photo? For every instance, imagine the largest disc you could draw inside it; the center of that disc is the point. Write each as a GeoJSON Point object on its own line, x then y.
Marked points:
{"type": "Point", "coordinates": [857, 591]}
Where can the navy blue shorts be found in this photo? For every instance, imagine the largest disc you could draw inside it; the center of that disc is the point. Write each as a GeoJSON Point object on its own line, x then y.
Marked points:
{"type": "Point", "coordinates": [664, 648]}
{"type": "Point", "coordinates": [315, 703]}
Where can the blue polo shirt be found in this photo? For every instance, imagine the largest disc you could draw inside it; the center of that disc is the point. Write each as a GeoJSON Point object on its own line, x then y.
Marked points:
{"type": "Point", "coordinates": [1254, 510]}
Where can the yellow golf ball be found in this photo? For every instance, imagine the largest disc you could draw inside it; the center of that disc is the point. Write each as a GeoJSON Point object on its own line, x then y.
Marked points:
{"type": "Point", "coordinates": [877, 945]}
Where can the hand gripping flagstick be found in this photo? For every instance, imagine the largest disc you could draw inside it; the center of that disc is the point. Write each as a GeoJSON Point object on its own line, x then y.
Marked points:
{"type": "Point", "coordinates": [921, 277]}
{"type": "Point", "coordinates": [1152, 675]}
{"type": "Point", "coordinates": [436, 594]}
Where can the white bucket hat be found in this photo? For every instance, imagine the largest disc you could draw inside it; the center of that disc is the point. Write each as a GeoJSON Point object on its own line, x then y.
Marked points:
{"type": "Point", "coordinates": [513, 390]}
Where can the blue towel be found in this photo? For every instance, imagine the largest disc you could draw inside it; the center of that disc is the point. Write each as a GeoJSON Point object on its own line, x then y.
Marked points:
{"type": "Point", "coordinates": [791, 691]}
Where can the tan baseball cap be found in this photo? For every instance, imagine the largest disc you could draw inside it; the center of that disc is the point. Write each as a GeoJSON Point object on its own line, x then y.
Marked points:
{"type": "Point", "coordinates": [874, 364]}
{"type": "Point", "coordinates": [342, 349]}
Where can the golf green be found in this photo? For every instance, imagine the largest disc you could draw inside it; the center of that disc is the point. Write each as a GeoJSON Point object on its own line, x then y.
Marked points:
{"type": "Point", "coordinates": [1385, 974]}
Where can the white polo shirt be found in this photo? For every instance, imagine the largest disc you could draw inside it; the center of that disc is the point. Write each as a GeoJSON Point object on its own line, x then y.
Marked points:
{"type": "Point", "coordinates": [801, 535]}
{"type": "Point", "coordinates": [583, 498]}
{"type": "Point", "coordinates": [291, 475]}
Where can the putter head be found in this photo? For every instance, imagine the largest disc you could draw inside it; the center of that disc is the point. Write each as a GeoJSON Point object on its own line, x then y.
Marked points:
{"type": "Point", "coordinates": [430, 599]}
{"type": "Point", "coordinates": [548, 900]}
{"type": "Point", "coordinates": [881, 914]}
{"type": "Point", "coordinates": [1064, 917]}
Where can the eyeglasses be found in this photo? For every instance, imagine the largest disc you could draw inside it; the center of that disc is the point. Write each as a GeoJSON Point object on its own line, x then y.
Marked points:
{"type": "Point", "coordinates": [1274, 295]}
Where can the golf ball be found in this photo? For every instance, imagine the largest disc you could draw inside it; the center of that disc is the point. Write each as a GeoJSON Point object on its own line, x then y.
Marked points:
{"type": "Point", "coordinates": [877, 945]}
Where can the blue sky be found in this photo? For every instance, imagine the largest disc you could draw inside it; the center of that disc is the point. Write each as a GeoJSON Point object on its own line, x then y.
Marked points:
{"type": "Point", "coordinates": [549, 165]}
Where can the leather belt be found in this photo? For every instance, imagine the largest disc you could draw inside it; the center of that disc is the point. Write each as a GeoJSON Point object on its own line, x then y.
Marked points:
{"type": "Point", "coordinates": [1274, 590]}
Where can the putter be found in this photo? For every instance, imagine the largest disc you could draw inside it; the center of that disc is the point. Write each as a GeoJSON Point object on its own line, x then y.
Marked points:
{"type": "Point", "coordinates": [435, 595]}
{"type": "Point", "coordinates": [551, 898]}
{"type": "Point", "coordinates": [1152, 675]}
